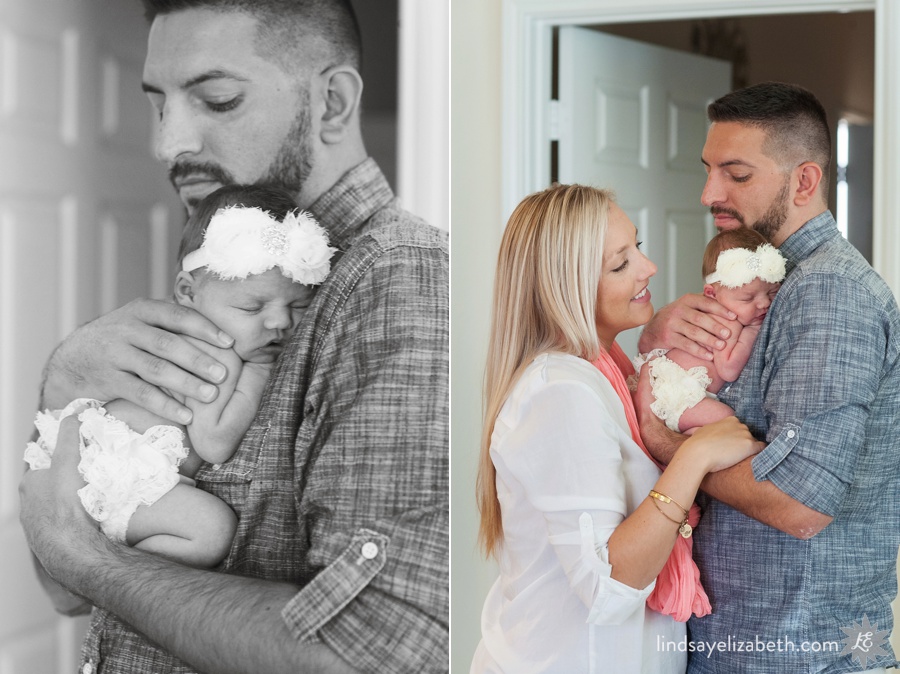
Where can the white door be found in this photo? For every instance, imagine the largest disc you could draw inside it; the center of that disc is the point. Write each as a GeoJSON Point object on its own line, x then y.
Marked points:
{"type": "Point", "coordinates": [87, 222]}
{"type": "Point", "coordinates": [632, 117]}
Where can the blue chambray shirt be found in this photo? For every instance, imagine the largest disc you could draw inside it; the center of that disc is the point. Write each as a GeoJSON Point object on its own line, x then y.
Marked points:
{"type": "Point", "coordinates": [822, 387]}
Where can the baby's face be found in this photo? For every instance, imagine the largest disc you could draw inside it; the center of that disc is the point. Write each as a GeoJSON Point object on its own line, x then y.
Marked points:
{"type": "Point", "coordinates": [750, 301]}
{"type": "Point", "coordinates": [260, 312]}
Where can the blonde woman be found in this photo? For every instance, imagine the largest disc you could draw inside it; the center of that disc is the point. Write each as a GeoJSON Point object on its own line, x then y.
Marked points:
{"type": "Point", "coordinates": [580, 519]}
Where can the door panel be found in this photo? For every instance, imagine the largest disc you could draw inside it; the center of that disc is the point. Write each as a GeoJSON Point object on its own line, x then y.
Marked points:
{"type": "Point", "coordinates": [75, 165]}
{"type": "Point", "coordinates": [633, 119]}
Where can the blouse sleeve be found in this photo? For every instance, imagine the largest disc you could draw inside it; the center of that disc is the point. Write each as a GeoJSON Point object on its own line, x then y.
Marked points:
{"type": "Point", "coordinates": [562, 445]}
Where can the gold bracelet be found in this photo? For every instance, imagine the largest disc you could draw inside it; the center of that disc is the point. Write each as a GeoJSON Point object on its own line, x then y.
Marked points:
{"type": "Point", "coordinates": [665, 499]}
{"type": "Point", "coordinates": [684, 528]}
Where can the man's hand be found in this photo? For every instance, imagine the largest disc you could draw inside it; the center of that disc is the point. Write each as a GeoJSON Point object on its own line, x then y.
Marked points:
{"type": "Point", "coordinates": [50, 508]}
{"type": "Point", "coordinates": [131, 353]}
{"type": "Point", "coordinates": [688, 324]}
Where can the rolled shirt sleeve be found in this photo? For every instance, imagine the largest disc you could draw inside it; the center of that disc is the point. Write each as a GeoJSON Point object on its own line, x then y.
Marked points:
{"type": "Point", "coordinates": [374, 440]}
{"type": "Point", "coordinates": [821, 380]}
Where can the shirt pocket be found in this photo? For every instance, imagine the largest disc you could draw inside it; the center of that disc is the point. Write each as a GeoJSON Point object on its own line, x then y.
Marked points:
{"type": "Point", "coordinates": [240, 468]}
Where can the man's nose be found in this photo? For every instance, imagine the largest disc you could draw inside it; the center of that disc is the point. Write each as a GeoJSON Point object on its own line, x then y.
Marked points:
{"type": "Point", "coordinates": [712, 192]}
{"type": "Point", "coordinates": [177, 133]}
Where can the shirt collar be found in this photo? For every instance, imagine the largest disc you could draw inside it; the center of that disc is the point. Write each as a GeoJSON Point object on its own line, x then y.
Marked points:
{"type": "Point", "coordinates": [802, 243]}
{"type": "Point", "coordinates": [344, 209]}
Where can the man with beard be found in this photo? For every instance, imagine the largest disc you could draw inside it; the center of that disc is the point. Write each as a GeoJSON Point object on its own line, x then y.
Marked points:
{"type": "Point", "coordinates": [340, 562]}
{"type": "Point", "coordinates": [801, 540]}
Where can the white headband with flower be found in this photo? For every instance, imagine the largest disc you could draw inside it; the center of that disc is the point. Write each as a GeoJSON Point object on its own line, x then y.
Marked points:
{"type": "Point", "coordinates": [738, 266]}
{"type": "Point", "coordinates": [241, 241]}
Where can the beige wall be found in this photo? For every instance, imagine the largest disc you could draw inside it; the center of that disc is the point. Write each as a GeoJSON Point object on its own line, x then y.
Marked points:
{"type": "Point", "coordinates": [477, 224]}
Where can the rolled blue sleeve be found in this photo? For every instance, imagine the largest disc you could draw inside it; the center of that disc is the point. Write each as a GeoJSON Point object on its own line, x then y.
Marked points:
{"type": "Point", "coordinates": [822, 374]}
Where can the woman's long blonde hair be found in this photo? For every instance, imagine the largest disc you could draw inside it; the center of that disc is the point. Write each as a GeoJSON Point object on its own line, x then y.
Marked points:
{"type": "Point", "coordinates": [545, 299]}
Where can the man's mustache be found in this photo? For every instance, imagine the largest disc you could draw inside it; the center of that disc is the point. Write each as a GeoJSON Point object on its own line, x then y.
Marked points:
{"type": "Point", "coordinates": [718, 210]}
{"type": "Point", "coordinates": [206, 170]}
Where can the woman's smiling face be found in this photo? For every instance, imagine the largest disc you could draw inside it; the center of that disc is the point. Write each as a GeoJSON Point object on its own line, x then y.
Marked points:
{"type": "Point", "coordinates": [623, 298]}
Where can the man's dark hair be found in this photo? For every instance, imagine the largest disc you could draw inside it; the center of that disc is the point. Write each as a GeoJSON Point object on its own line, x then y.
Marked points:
{"type": "Point", "coordinates": [274, 200]}
{"type": "Point", "coordinates": [794, 120]}
{"type": "Point", "coordinates": [283, 25]}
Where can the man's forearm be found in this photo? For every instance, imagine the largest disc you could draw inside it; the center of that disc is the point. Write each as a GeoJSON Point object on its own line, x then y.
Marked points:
{"type": "Point", "coordinates": [738, 488]}
{"type": "Point", "coordinates": [215, 622]}
{"type": "Point", "coordinates": [63, 601]}
{"type": "Point", "coordinates": [763, 501]}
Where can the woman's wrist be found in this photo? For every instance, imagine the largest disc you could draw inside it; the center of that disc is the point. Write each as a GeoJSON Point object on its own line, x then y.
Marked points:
{"type": "Point", "coordinates": [696, 456]}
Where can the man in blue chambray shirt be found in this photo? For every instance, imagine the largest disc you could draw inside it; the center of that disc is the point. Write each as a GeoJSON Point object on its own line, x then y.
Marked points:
{"type": "Point", "coordinates": [801, 540]}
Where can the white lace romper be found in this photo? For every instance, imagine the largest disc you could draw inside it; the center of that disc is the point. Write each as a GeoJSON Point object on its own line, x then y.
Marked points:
{"type": "Point", "coordinates": [123, 469]}
{"type": "Point", "coordinates": [674, 388]}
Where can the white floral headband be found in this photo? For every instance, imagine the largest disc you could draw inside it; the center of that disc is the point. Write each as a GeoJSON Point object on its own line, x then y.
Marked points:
{"type": "Point", "coordinates": [738, 266]}
{"type": "Point", "coordinates": [241, 241]}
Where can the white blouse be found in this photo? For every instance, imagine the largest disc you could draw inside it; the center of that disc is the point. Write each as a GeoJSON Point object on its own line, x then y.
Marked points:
{"type": "Point", "coordinates": [568, 472]}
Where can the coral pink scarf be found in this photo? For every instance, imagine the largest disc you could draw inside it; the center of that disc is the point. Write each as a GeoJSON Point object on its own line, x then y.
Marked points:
{"type": "Point", "coordinates": [678, 591]}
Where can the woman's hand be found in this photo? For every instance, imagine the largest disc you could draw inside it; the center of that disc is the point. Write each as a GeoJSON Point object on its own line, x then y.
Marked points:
{"type": "Point", "coordinates": [132, 353]}
{"type": "Point", "coordinates": [722, 444]}
{"type": "Point", "coordinates": [688, 324]}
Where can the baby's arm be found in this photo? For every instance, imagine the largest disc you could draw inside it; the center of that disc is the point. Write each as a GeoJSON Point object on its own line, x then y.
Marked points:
{"type": "Point", "coordinates": [731, 360]}
{"type": "Point", "coordinates": [218, 427]}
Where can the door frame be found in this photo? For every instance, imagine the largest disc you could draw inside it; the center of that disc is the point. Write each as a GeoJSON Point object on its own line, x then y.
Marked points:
{"type": "Point", "coordinates": [423, 119]}
{"type": "Point", "coordinates": [526, 79]}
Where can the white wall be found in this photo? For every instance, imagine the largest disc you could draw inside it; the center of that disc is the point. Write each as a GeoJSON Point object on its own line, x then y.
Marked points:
{"type": "Point", "coordinates": [477, 225]}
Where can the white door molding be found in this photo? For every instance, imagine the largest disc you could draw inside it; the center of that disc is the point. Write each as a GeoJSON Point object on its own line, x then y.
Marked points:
{"type": "Point", "coordinates": [423, 115]}
{"type": "Point", "coordinates": [526, 62]}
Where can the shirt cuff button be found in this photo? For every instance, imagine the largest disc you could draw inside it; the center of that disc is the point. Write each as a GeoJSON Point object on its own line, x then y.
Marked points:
{"type": "Point", "coordinates": [369, 550]}
{"type": "Point", "coordinates": [791, 434]}
{"type": "Point", "coordinates": [88, 668]}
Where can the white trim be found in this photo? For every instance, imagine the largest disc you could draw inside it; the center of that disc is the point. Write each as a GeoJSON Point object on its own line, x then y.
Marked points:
{"type": "Point", "coordinates": [886, 214]}
{"type": "Point", "coordinates": [527, 41]}
{"type": "Point", "coordinates": [423, 115]}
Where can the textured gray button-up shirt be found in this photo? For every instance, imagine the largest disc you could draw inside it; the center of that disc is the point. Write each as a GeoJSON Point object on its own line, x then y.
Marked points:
{"type": "Point", "coordinates": [822, 387]}
{"type": "Point", "coordinates": [341, 483]}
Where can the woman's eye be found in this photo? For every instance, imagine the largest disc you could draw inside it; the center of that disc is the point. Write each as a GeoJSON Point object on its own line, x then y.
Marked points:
{"type": "Point", "coordinates": [621, 267]}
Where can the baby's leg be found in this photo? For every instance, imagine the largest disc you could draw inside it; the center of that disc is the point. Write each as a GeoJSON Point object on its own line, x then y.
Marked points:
{"type": "Point", "coordinates": [705, 412]}
{"type": "Point", "coordinates": [187, 525]}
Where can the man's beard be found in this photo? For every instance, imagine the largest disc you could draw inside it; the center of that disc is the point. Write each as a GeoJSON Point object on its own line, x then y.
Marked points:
{"type": "Point", "coordinates": [773, 219]}
{"type": "Point", "coordinates": [769, 222]}
{"type": "Point", "coordinates": [292, 165]}
{"type": "Point", "coordinates": [289, 169]}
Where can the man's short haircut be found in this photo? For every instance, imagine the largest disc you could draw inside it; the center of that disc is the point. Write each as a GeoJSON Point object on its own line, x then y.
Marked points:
{"type": "Point", "coordinates": [286, 27]}
{"type": "Point", "coordinates": [793, 119]}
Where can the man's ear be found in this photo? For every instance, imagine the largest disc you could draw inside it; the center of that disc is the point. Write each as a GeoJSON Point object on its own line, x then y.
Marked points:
{"type": "Point", "coordinates": [709, 291]}
{"type": "Point", "coordinates": [809, 180]}
{"type": "Point", "coordinates": [184, 288]}
{"type": "Point", "coordinates": [342, 89]}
